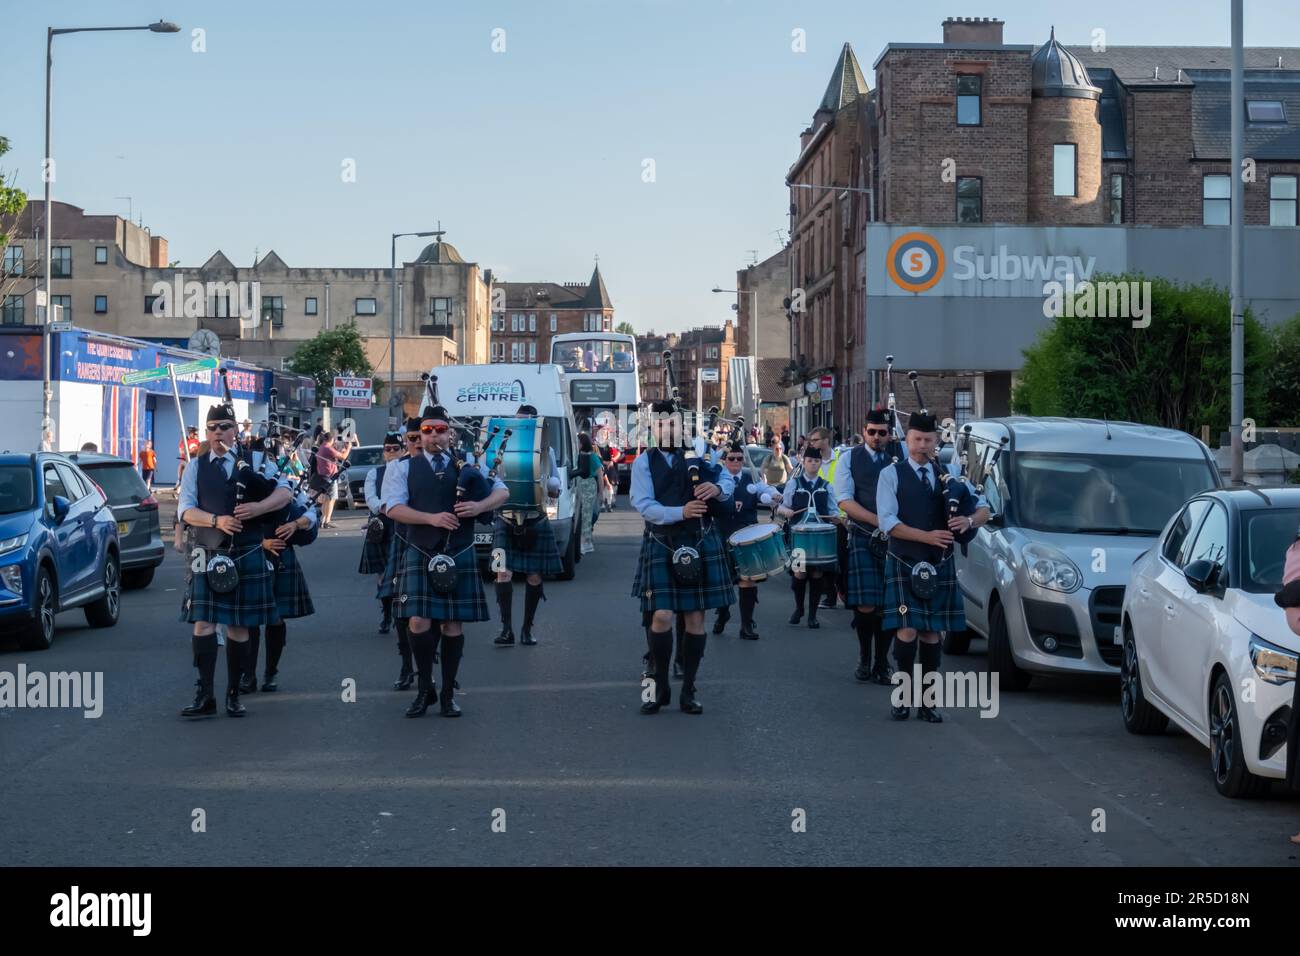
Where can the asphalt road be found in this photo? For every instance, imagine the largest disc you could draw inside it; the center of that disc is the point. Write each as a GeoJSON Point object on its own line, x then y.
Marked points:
{"type": "Point", "coordinates": [551, 735]}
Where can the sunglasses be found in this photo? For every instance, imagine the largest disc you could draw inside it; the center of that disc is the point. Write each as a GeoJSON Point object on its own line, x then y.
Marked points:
{"type": "Point", "coordinates": [735, 458]}
{"type": "Point", "coordinates": [393, 447]}
{"type": "Point", "coordinates": [222, 427]}
{"type": "Point", "coordinates": [413, 437]}
{"type": "Point", "coordinates": [439, 429]}
{"type": "Point", "coordinates": [877, 431]}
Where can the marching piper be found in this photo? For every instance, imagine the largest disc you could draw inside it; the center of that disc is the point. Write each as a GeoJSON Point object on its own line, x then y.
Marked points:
{"type": "Point", "coordinates": [378, 538]}
{"type": "Point", "coordinates": [806, 491]}
{"type": "Point", "coordinates": [743, 513]}
{"type": "Point", "coordinates": [921, 597]}
{"type": "Point", "coordinates": [682, 567]}
{"type": "Point", "coordinates": [525, 541]}
{"type": "Point", "coordinates": [230, 581]}
{"type": "Point", "coordinates": [438, 587]}
{"type": "Point", "coordinates": [856, 481]}
{"type": "Point", "coordinates": [388, 577]}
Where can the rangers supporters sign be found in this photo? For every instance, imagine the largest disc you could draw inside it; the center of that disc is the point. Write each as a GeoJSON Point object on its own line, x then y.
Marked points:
{"type": "Point", "coordinates": [352, 392]}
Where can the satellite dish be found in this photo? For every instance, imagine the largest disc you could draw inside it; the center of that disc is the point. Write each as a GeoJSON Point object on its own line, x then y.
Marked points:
{"type": "Point", "coordinates": [205, 341]}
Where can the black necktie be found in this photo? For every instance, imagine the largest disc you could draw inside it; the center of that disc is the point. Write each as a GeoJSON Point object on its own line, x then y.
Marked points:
{"type": "Point", "coordinates": [925, 477]}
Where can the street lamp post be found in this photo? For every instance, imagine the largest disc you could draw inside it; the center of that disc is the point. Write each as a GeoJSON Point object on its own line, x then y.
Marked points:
{"type": "Point", "coordinates": [753, 337]}
{"type": "Point", "coordinates": [1237, 245]}
{"type": "Point", "coordinates": [47, 174]}
{"type": "Point", "coordinates": [392, 325]}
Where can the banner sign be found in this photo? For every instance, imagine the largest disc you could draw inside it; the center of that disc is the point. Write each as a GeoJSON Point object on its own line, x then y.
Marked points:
{"type": "Point", "coordinates": [85, 358]}
{"type": "Point", "coordinates": [352, 392]}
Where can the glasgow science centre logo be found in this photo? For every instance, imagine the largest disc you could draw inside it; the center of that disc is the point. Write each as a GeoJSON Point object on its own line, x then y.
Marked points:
{"type": "Point", "coordinates": [915, 262]}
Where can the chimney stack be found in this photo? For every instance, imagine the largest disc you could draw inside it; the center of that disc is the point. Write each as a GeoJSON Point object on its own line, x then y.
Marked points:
{"type": "Point", "coordinates": [982, 31]}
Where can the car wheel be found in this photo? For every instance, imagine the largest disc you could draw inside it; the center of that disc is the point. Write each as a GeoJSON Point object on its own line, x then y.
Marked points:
{"type": "Point", "coordinates": [569, 561]}
{"type": "Point", "coordinates": [956, 642]}
{"type": "Point", "coordinates": [1010, 677]}
{"type": "Point", "coordinates": [1139, 716]}
{"type": "Point", "coordinates": [1227, 755]}
{"type": "Point", "coordinates": [104, 612]}
{"type": "Point", "coordinates": [39, 634]}
{"type": "Point", "coordinates": [137, 578]}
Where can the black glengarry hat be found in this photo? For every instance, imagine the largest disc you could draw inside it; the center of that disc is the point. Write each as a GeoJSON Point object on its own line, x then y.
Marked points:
{"type": "Point", "coordinates": [878, 416]}
{"type": "Point", "coordinates": [812, 451]}
{"type": "Point", "coordinates": [413, 424]}
{"type": "Point", "coordinates": [436, 412]}
{"type": "Point", "coordinates": [222, 412]}
{"type": "Point", "coordinates": [922, 421]}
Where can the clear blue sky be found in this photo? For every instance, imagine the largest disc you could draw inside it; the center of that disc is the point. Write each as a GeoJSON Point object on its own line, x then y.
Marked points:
{"type": "Point", "coordinates": [531, 158]}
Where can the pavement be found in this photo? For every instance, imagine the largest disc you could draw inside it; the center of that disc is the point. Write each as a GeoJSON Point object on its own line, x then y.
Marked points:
{"type": "Point", "coordinates": [792, 762]}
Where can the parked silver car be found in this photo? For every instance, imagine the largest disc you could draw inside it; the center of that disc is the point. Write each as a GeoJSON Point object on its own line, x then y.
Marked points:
{"type": "Point", "coordinates": [1074, 502]}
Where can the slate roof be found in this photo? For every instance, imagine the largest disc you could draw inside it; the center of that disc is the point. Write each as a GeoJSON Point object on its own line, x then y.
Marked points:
{"type": "Point", "coordinates": [847, 82]}
{"type": "Point", "coordinates": [1135, 65]}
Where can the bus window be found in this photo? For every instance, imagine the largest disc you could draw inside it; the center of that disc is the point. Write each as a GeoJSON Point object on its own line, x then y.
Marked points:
{"type": "Point", "coordinates": [592, 355]}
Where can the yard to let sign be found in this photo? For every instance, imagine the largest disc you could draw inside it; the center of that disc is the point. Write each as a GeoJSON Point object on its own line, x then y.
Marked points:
{"type": "Point", "coordinates": [351, 392]}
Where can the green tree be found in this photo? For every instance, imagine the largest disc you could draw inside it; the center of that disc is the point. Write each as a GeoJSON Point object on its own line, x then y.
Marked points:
{"type": "Point", "coordinates": [1283, 375]}
{"type": "Point", "coordinates": [625, 328]}
{"type": "Point", "coordinates": [12, 201]}
{"type": "Point", "coordinates": [1174, 372]}
{"type": "Point", "coordinates": [331, 353]}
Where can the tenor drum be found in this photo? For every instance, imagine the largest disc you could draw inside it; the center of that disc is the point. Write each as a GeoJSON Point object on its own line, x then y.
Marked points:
{"type": "Point", "coordinates": [758, 550]}
{"type": "Point", "coordinates": [816, 541]}
{"type": "Point", "coordinates": [521, 461]}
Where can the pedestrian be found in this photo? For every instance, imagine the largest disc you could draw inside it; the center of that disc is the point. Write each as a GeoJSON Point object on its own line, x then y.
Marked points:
{"type": "Point", "coordinates": [611, 478]}
{"type": "Point", "coordinates": [90, 446]}
{"type": "Point", "coordinates": [326, 480]}
{"type": "Point", "coordinates": [209, 502]}
{"type": "Point", "coordinates": [525, 540]}
{"type": "Point", "coordinates": [777, 469]}
{"type": "Point", "coordinates": [682, 567]}
{"type": "Point", "coordinates": [855, 493]}
{"type": "Point", "coordinates": [742, 514]}
{"type": "Point", "coordinates": [808, 493]}
{"type": "Point", "coordinates": [148, 463]}
{"type": "Point", "coordinates": [1289, 600]}
{"type": "Point", "coordinates": [590, 475]}
{"type": "Point", "coordinates": [378, 539]}
{"type": "Point", "coordinates": [436, 529]}
{"type": "Point", "coordinates": [921, 597]}
{"type": "Point", "coordinates": [189, 444]}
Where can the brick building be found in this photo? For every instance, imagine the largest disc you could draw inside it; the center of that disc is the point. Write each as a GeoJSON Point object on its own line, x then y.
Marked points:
{"type": "Point", "coordinates": [527, 314]}
{"type": "Point", "coordinates": [704, 350]}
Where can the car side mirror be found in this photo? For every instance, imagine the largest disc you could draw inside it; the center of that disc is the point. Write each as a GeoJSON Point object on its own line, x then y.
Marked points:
{"type": "Point", "coordinates": [61, 506]}
{"type": "Point", "coordinates": [1201, 575]}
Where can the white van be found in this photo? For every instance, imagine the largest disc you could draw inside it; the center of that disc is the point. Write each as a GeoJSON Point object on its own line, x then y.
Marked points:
{"type": "Point", "coordinates": [496, 391]}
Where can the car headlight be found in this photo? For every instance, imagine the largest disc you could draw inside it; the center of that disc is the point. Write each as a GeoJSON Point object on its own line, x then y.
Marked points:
{"type": "Point", "coordinates": [12, 576]}
{"type": "Point", "coordinates": [13, 544]}
{"type": "Point", "coordinates": [1274, 664]}
{"type": "Point", "coordinates": [1051, 568]}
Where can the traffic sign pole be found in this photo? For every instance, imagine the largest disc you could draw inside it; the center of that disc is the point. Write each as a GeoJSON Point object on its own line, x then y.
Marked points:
{"type": "Point", "coordinates": [185, 444]}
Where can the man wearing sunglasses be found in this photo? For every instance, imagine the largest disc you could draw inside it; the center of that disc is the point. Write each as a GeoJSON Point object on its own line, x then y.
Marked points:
{"type": "Point", "coordinates": [412, 446]}
{"type": "Point", "coordinates": [421, 495]}
{"type": "Point", "coordinates": [207, 503]}
{"type": "Point", "coordinates": [374, 553]}
{"type": "Point", "coordinates": [742, 514]}
{"type": "Point", "coordinates": [855, 492]}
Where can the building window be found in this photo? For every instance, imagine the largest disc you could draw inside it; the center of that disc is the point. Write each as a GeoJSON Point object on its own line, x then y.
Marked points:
{"type": "Point", "coordinates": [970, 199]}
{"type": "Point", "coordinates": [532, 321]}
{"type": "Point", "coordinates": [61, 262]}
{"type": "Point", "coordinates": [532, 351]}
{"type": "Point", "coordinates": [64, 304]}
{"type": "Point", "coordinates": [963, 405]}
{"type": "Point", "coordinates": [14, 261]}
{"type": "Point", "coordinates": [1281, 200]}
{"type": "Point", "coordinates": [149, 300]}
{"type": "Point", "coordinates": [273, 309]}
{"type": "Point", "coordinates": [1116, 197]}
{"type": "Point", "coordinates": [711, 352]}
{"type": "Point", "coordinates": [440, 310]}
{"type": "Point", "coordinates": [219, 307]}
{"type": "Point", "coordinates": [101, 255]}
{"type": "Point", "coordinates": [553, 322]}
{"type": "Point", "coordinates": [1063, 155]}
{"type": "Point", "coordinates": [514, 321]}
{"type": "Point", "coordinates": [968, 100]}
{"type": "Point", "coordinates": [609, 323]}
{"type": "Point", "coordinates": [366, 307]}
{"type": "Point", "coordinates": [12, 311]}
{"type": "Point", "coordinates": [310, 306]}
{"type": "Point", "coordinates": [1216, 200]}
{"type": "Point", "coordinates": [514, 351]}
{"type": "Point", "coordinates": [101, 304]}
{"type": "Point", "coordinates": [1265, 111]}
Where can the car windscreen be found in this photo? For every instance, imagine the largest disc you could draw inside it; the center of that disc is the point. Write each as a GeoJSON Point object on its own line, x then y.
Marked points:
{"type": "Point", "coordinates": [17, 492]}
{"type": "Point", "coordinates": [1103, 494]}
{"type": "Point", "coordinates": [121, 482]}
{"type": "Point", "coordinates": [367, 455]}
{"type": "Point", "coordinates": [1265, 536]}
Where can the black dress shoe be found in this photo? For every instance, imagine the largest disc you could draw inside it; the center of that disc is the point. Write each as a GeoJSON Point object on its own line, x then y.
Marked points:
{"type": "Point", "coordinates": [449, 707]}
{"type": "Point", "coordinates": [679, 672]}
{"type": "Point", "coordinates": [796, 617]}
{"type": "Point", "coordinates": [247, 684]}
{"type": "Point", "coordinates": [882, 675]}
{"type": "Point", "coordinates": [828, 602]}
{"type": "Point", "coordinates": [423, 698]}
{"type": "Point", "coordinates": [689, 704]}
{"type": "Point", "coordinates": [385, 625]}
{"type": "Point", "coordinates": [526, 637]}
{"type": "Point", "coordinates": [900, 713]}
{"type": "Point", "coordinates": [812, 622]}
{"type": "Point", "coordinates": [233, 707]}
{"type": "Point", "coordinates": [720, 621]}
{"type": "Point", "coordinates": [269, 682]}
{"type": "Point", "coordinates": [748, 634]}
{"type": "Point", "coordinates": [929, 714]}
{"type": "Point", "coordinates": [505, 638]}
{"type": "Point", "coordinates": [404, 680]}
{"type": "Point", "coordinates": [663, 700]}
{"type": "Point", "coordinates": [863, 674]}
{"type": "Point", "coordinates": [205, 705]}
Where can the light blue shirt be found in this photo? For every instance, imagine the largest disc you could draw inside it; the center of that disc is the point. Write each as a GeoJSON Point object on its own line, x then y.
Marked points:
{"type": "Point", "coordinates": [189, 495]}
{"type": "Point", "coordinates": [642, 491]}
{"type": "Point", "coordinates": [843, 486]}
{"type": "Point", "coordinates": [395, 493]}
{"type": "Point", "coordinates": [887, 491]}
{"type": "Point", "coordinates": [791, 486]}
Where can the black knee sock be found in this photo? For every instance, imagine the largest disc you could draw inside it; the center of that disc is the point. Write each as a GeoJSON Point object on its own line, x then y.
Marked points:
{"type": "Point", "coordinates": [254, 646]}
{"type": "Point", "coordinates": [387, 604]}
{"type": "Point", "coordinates": [505, 599]}
{"type": "Point", "coordinates": [661, 648]}
{"type": "Point", "coordinates": [236, 655]}
{"type": "Point", "coordinates": [929, 654]}
{"type": "Point", "coordinates": [532, 595]}
{"type": "Point", "coordinates": [453, 649]}
{"type": "Point", "coordinates": [882, 637]}
{"type": "Point", "coordinates": [814, 596]}
{"type": "Point", "coordinates": [862, 625]}
{"type": "Point", "coordinates": [423, 647]}
{"type": "Point", "coordinates": [276, 638]}
{"type": "Point", "coordinates": [205, 659]}
{"type": "Point", "coordinates": [800, 587]}
{"type": "Point", "coordinates": [748, 598]}
{"type": "Point", "coordinates": [681, 639]}
{"type": "Point", "coordinates": [694, 654]}
{"type": "Point", "coordinates": [403, 643]}
{"type": "Point", "coordinates": [905, 654]}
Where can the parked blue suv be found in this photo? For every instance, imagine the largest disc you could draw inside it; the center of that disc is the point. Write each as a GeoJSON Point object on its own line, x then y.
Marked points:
{"type": "Point", "coordinates": [58, 548]}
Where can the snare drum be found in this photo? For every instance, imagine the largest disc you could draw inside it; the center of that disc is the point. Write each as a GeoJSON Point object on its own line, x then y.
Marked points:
{"type": "Point", "coordinates": [521, 462]}
{"type": "Point", "coordinates": [758, 550]}
{"type": "Point", "coordinates": [817, 541]}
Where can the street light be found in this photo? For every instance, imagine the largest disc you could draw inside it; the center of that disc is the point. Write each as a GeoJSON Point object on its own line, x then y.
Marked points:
{"type": "Point", "coordinates": [871, 193]}
{"type": "Point", "coordinates": [162, 26]}
{"type": "Point", "coordinates": [392, 324]}
{"type": "Point", "coordinates": [753, 337]}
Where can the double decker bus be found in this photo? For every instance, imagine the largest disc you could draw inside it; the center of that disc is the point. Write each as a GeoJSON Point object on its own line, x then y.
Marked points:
{"type": "Point", "coordinates": [604, 388]}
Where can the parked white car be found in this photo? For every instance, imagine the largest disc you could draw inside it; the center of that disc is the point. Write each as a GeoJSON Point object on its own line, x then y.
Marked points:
{"type": "Point", "coordinates": [1204, 644]}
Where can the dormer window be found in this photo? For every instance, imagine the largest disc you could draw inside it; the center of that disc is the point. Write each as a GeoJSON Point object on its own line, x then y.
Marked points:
{"type": "Point", "coordinates": [1265, 111]}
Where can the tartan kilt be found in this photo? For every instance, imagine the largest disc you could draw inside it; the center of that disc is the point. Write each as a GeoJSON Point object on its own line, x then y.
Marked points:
{"type": "Point", "coordinates": [942, 612]}
{"type": "Point", "coordinates": [251, 604]}
{"type": "Point", "coordinates": [374, 554]}
{"type": "Point", "coordinates": [655, 586]}
{"type": "Point", "coordinates": [387, 582]}
{"type": "Point", "coordinates": [533, 551]}
{"type": "Point", "coordinates": [415, 598]}
{"type": "Point", "coordinates": [866, 577]}
{"type": "Point", "coordinates": [292, 598]}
